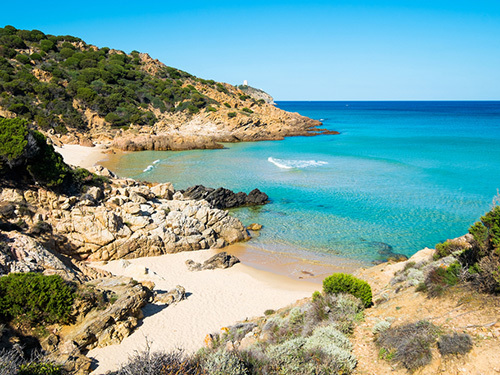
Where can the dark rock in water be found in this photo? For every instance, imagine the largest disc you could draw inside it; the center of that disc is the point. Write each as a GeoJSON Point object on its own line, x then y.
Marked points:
{"type": "Point", "coordinates": [256, 197]}
{"type": "Point", "coordinates": [387, 253]}
{"type": "Point", "coordinates": [220, 260]}
{"type": "Point", "coordinates": [222, 198]}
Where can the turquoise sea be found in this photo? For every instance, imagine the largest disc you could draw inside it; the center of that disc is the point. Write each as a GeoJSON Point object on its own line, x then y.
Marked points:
{"type": "Point", "coordinates": [401, 176]}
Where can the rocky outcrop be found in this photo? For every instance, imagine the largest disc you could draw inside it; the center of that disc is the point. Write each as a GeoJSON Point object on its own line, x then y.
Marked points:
{"type": "Point", "coordinates": [97, 324]}
{"type": "Point", "coordinates": [257, 94]}
{"type": "Point", "coordinates": [21, 253]}
{"type": "Point", "coordinates": [220, 260]}
{"type": "Point", "coordinates": [174, 295]}
{"type": "Point", "coordinates": [127, 219]}
{"type": "Point", "coordinates": [224, 198]}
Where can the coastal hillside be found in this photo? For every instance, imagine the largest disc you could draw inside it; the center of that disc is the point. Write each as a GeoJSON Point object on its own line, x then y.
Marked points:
{"type": "Point", "coordinates": [78, 93]}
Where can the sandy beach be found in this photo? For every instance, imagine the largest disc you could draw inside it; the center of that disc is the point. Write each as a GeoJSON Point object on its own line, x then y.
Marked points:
{"type": "Point", "coordinates": [81, 156]}
{"type": "Point", "coordinates": [216, 298]}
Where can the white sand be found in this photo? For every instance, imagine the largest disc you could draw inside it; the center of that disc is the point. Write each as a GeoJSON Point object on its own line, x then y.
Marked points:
{"type": "Point", "coordinates": [81, 156]}
{"type": "Point", "coordinates": [217, 298]}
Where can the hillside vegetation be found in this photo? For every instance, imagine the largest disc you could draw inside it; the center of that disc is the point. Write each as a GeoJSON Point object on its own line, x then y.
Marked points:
{"type": "Point", "coordinates": [60, 83]}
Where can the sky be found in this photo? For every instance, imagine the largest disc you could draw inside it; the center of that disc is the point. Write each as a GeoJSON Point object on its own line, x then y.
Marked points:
{"type": "Point", "coordinates": [299, 50]}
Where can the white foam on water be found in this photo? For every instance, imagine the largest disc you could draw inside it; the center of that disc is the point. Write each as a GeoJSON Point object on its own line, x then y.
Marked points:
{"type": "Point", "coordinates": [291, 164]}
{"type": "Point", "coordinates": [151, 166]}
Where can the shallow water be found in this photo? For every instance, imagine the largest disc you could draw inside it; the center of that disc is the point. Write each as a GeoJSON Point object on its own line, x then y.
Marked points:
{"type": "Point", "coordinates": [401, 176]}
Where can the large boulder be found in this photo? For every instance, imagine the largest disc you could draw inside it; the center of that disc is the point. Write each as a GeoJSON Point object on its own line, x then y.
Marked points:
{"type": "Point", "coordinates": [219, 260]}
{"type": "Point", "coordinates": [222, 198]}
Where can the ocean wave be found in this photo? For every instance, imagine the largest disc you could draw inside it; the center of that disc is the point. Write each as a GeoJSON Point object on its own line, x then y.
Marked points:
{"type": "Point", "coordinates": [291, 164]}
{"type": "Point", "coordinates": [151, 166]}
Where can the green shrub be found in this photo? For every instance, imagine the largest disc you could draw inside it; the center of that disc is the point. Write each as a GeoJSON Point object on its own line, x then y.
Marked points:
{"type": "Point", "coordinates": [316, 296]}
{"type": "Point", "coordinates": [48, 167]}
{"type": "Point", "coordinates": [38, 368]}
{"type": "Point", "coordinates": [211, 109]}
{"type": "Point", "coordinates": [23, 59]}
{"type": "Point", "coordinates": [13, 138]}
{"type": "Point", "coordinates": [440, 278]}
{"type": "Point", "coordinates": [247, 110]}
{"type": "Point", "coordinates": [227, 105]}
{"type": "Point", "coordinates": [483, 258]}
{"type": "Point", "coordinates": [35, 298]}
{"type": "Point", "coordinates": [447, 248]}
{"type": "Point", "coordinates": [231, 114]}
{"type": "Point", "coordinates": [458, 343]}
{"type": "Point", "coordinates": [345, 283]}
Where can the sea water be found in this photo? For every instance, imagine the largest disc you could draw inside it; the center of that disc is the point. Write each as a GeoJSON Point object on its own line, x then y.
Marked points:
{"type": "Point", "coordinates": [399, 177]}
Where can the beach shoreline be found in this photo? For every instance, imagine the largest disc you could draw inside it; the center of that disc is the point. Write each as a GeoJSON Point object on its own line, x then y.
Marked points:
{"type": "Point", "coordinates": [215, 299]}
{"type": "Point", "coordinates": [82, 156]}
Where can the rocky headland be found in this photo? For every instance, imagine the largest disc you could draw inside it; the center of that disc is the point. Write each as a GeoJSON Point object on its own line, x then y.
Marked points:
{"type": "Point", "coordinates": [130, 100]}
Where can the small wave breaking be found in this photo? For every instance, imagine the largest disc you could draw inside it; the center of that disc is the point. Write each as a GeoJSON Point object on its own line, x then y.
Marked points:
{"type": "Point", "coordinates": [295, 164]}
{"type": "Point", "coordinates": [151, 166]}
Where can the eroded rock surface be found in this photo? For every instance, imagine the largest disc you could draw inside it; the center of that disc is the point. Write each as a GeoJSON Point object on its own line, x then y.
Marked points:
{"type": "Point", "coordinates": [127, 219]}
{"type": "Point", "coordinates": [220, 260]}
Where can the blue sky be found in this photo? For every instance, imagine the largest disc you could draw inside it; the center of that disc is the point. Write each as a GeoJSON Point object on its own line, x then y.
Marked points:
{"type": "Point", "coordinates": [298, 50]}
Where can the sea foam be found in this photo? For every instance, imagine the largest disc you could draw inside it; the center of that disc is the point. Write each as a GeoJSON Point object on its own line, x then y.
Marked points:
{"type": "Point", "coordinates": [291, 164]}
{"type": "Point", "coordinates": [151, 166]}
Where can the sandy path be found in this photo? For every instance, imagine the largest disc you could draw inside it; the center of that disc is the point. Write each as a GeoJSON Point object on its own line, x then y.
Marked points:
{"type": "Point", "coordinates": [217, 298]}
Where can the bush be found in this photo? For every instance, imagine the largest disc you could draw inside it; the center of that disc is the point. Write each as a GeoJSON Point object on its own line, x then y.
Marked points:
{"type": "Point", "coordinates": [344, 283]}
{"type": "Point", "coordinates": [231, 114]}
{"type": "Point", "coordinates": [440, 278]}
{"type": "Point", "coordinates": [381, 326]}
{"type": "Point", "coordinates": [48, 167]}
{"type": "Point", "coordinates": [409, 344]}
{"type": "Point", "coordinates": [483, 258]}
{"type": "Point", "coordinates": [35, 298]}
{"type": "Point", "coordinates": [227, 105]}
{"type": "Point", "coordinates": [287, 357]}
{"type": "Point", "coordinates": [458, 343]}
{"type": "Point", "coordinates": [223, 362]}
{"type": "Point", "coordinates": [328, 335]}
{"type": "Point", "coordinates": [247, 110]}
{"type": "Point", "coordinates": [447, 248]}
{"type": "Point", "coordinates": [13, 138]}
{"type": "Point", "coordinates": [11, 363]}
{"type": "Point", "coordinates": [160, 363]}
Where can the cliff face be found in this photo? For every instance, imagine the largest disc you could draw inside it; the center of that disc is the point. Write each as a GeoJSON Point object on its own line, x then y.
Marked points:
{"type": "Point", "coordinates": [79, 93]}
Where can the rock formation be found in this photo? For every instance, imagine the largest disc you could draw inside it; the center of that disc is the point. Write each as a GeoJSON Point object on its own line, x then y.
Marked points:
{"type": "Point", "coordinates": [127, 219]}
{"type": "Point", "coordinates": [220, 260]}
{"type": "Point", "coordinates": [222, 198]}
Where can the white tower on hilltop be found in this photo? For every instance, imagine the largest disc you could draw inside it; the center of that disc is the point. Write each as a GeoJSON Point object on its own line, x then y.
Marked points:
{"type": "Point", "coordinates": [245, 83]}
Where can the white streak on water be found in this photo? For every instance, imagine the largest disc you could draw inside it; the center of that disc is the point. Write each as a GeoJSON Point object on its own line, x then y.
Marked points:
{"type": "Point", "coordinates": [291, 164]}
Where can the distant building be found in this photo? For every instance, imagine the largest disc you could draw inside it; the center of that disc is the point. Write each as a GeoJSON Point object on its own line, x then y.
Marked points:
{"type": "Point", "coordinates": [245, 83]}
